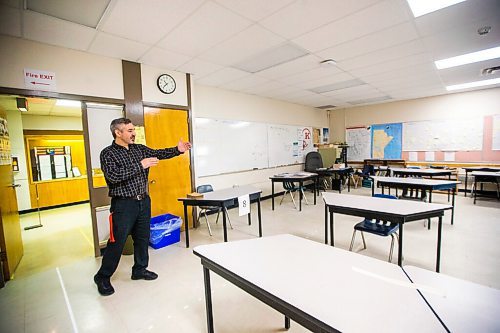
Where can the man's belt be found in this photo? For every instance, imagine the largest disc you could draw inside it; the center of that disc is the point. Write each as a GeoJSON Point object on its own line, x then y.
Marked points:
{"type": "Point", "coordinates": [137, 197]}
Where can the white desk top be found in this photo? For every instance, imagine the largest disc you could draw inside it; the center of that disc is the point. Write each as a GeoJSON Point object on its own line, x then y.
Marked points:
{"type": "Point", "coordinates": [463, 306]}
{"type": "Point", "coordinates": [381, 205]}
{"type": "Point", "coordinates": [230, 193]}
{"type": "Point", "coordinates": [422, 171]}
{"type": "Point", "coordinates": [334, 286]}
{"type": "Point", "coordinates": [486, 173]}
{"type": "Point", "coordinates": [415, 181]}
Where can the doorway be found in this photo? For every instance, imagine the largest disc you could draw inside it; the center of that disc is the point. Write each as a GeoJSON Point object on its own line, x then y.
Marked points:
{"type": "Point", "coordinates": [52, 194]}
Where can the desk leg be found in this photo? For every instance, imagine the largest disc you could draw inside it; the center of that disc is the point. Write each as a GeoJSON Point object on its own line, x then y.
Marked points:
{"type": "Point", "coordinates": [475, 189]}
{"type": "Point", "coordinates": [326, 224]}
{"type": "Point", "coordinates": [429, 220]}
{"type": "Point", "coordinates": [287, 323]}
{"type": "Point", "coordinates": [301, 183]}
{"type": "Point", "coordinates": [453, 205]}
{"type": "Point", "coordinates": [250, 216]}
{"type": "Point", "coordinates": [465, 185]}
{"type": "Point", "coordinates": [259, 216]}
{"type": "Point", "coordinates": [438, 257]}
{"type": "Point", "coordinates": [332, 242]}
{"type": "Point", "coordinates": [272, 193]}
{"type": "Point", "coordinates": [208, 300]}
{"type": "Point", "coordinates": [316, 180]}
{"type": "Point", "coordinates": [186, 225]}
{"type": "Point", "coordinates": [400, 245]}
{"type": "Point", "coordinates": [224, 224]}
{"type": "Point", "coordinates": [373, 187]}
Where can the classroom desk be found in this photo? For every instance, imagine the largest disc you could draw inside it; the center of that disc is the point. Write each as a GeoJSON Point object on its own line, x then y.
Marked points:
{"type": "Point", "coordinates": [405, 172]}
{"type": "Point", "coordinates": [463, 306]}
{"type": "Point", "coordinates": [485, 177]}
{"type": "Point", "coordinates": [472, 169]}
{"type": "Point", "coordinates": [322, 288]}
{"type": "Point", "coordinates": [428, 185]}
{"type": "Point", "coordinates": [339, 173]}
{"type": "Point", "coordinates": [300, 177]}
{"type": "Point", "coordinates": [397, 211]}
{"type": "Point", "coordinates": [223, 198]}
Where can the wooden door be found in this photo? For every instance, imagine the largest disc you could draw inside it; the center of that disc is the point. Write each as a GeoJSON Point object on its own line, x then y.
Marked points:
{"type": "Point", "coordinates": [171, 179]}
{"type": "Point", "coordinates": [11, 243]}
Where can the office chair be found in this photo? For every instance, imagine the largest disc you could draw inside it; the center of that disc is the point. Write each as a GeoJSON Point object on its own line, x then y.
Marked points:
{"type": "Point", "coordinates": [291, 188]}
{"type": "Point", "coordinates": [204, 209]}
{"type": "Point", "coordinates": [377, 227]}
{"type": "Point", "coordinates": [313, 162]}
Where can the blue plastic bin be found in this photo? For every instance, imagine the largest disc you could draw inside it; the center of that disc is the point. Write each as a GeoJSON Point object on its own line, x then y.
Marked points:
{"type": "Point", "coordinates": [165, 230]}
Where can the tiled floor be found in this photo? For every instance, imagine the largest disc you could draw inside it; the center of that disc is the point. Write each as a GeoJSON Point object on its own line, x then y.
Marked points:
{"type": "Point", "coordinates": [63, 298]}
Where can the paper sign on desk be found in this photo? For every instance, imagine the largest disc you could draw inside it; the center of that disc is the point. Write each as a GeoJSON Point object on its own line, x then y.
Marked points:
{"type": "Point", "coordinates": [244, 204]}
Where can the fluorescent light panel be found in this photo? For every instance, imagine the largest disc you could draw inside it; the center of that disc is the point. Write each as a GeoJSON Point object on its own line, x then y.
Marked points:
{"type": "Point", "coordinates": [473, 84]}
{"type": "Point", "coordinates": [270, 58]}
{"type": "Point", "coordinates": [370, 100]}
{"type": "Point", "coordinates": [422, 7]}
{"type": "Point", "coordinates": [324, 107]}
{"type": "Point", "coordinates": [69, 103]}
{"type": "Point", "coordinates": [338, 86]}
{"type": "Point", "coordinates": [469, 58]}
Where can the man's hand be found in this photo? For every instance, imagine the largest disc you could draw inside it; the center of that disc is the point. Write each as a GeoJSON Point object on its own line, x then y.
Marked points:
{"type": "Point", "coordinates": [183, 146]}
{"type": "Point", "coordinates": [149, 162]}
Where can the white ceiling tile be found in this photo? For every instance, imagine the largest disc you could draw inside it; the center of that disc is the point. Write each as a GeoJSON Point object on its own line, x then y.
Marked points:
{"type": "Point", "coordinates": [242, 46]}
{"type": "Point", "coordinates": [463, 39]}
{"type": "Point", "coordinates": [392, 65]}
{"type": "Point", "coordinates": [374, 18]}
{"type": "Point", "coordinates": [311, 75]}
{"type": "Point", "coordinates": [255, 9]}
{"type": "Point", "coordinates": [341, 77]}
{"type": "Point", "coordinates": [222, 76]}
{"type": "Point", "coordinates": [461, 14]}
{"type": "Point", "coordinates": [208, 26]}
{"type": "Point", "coordinates": [117, 47]}
{"type": "Point", "coordinates": [282, 92]}
{"type": "Point", "coordinates": [248, 81]}
{"type": "Point", "coordinates": [415, 73]}
{"type": "Point", "coordinates": [353, 92]}
{"type": "Point", "coordinates": [10, 21]}
{"type": "Point", "coordinates": [258, 89]}
{"type": "Point", "coordinates": [147, 21]}
{"type": "Point", "coordinates": [51, 30]}
{"type": "Point", "coordinates": [163, 58]}
{"type": "Point", "coordinates": [199, 68]}
{"type": "Point", "coordinates": [398, 34]}
{"type": "Point", "coordinates": [306, 15]}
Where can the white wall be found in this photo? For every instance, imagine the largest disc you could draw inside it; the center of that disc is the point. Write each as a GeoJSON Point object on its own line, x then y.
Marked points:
{"type": "Point", "coordinates": [217, 103]}
{"type": "Point", "coordinates": [477, 103]}
{"type": "Point", "coordinates": [151, 93]}
{"type": "Point", "coordinates": [76, 72]}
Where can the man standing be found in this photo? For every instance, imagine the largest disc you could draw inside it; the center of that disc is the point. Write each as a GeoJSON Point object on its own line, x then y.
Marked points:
{"type": "Point", "coordinates": [126, 168]}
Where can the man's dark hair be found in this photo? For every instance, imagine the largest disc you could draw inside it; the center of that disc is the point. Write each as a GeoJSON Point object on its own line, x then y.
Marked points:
{"type": "Point", "coordinates": [115, 125]}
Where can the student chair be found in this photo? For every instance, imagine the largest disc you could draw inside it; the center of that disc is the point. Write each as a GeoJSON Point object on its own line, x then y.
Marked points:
{"type": "Point", "coordinates": [377, 227]}
{"type": "Point", "coordinates": [210, 209]}
{"type": "Point", "coordinates": [291, 188]}
{"type": "Point", "coordinates": [367, 171]}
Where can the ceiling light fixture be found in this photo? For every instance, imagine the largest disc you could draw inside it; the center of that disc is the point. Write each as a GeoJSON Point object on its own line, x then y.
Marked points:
{"type": "Point", "coordinates": [69, 103]}
{"type": "Point", "coordinates": [327, 63]}
{"type": "Point", "coordinates": [422, 7]}
{"type": "Point", "coordinates": [484, 30]}
{"type": "Point", "coordinates": [22, 104]}
{"type": "Point", "coordinates": [468, 58]}
{"type": "Point", "coordinates": [473, 84]}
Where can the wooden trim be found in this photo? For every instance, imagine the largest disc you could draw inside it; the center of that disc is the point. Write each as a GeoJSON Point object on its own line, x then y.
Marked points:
{"type": "Point", "coordinates": [132, 91]}
{"type": "Point", "coordinates": [51, 132]}
{"type": "Point", "coordinates": [48, 94]}
{"type": "Point", "coordinates": [165, 106]}
{"type": "Point", "coordinates": [190, 129]}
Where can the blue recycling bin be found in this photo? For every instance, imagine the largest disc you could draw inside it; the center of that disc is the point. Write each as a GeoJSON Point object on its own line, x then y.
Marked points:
{"type": "Point", "coordinates": [165, 230]}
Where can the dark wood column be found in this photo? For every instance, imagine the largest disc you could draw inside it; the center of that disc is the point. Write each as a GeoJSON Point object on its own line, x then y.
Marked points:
{"type": "Point", "coordinates": [132, 90]}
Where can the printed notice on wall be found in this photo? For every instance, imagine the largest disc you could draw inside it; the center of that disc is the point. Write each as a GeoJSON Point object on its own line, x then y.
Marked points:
{"type": "Point", "coordinates": [39, 80]}
{"type": "Point", "coordinates": [429, 156]}
{"type": "Point", "coordinates": [449, 156]}
{"type": "Point", "coordinates": [413, 156]}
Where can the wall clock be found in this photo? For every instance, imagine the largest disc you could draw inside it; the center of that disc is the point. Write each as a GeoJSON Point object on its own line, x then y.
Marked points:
{"type": "Point", "coordinates": [166, 83]}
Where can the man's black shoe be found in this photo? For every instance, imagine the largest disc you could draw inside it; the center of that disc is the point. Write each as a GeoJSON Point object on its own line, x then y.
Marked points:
{"type": "Point", "coordinates": [144, 275]}
{"type": "Point", "coordinates": [103, 286]}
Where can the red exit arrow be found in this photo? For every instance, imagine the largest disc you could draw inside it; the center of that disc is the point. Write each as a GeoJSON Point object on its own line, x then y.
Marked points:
{"type": "Point", "coordinates": [45, 84]}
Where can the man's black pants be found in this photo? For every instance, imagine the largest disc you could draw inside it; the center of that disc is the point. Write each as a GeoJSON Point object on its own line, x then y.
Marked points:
{"type": "Point", "coordinates": [133, 217]}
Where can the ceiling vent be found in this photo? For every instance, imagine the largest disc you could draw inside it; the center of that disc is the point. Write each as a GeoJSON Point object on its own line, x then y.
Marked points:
{"type": "Point", "coordinates": [490, 70]}
{"type": "Point", "coordinates": [326, 107]}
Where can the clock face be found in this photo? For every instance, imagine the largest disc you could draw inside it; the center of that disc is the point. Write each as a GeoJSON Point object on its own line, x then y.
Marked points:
{"type": "Point", "coordinates": [166, 84]}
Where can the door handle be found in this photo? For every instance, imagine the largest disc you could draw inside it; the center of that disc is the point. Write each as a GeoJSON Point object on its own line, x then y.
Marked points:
{"type": "Point", "coordinates": [15, 185]}
{"type": "Point", "coordinates": [152, 181]}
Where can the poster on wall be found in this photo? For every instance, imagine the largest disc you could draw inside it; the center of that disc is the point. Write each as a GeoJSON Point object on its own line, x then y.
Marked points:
{"type": "Point", "coordinates": [5, 150]}
{"type": "Point", "coordinates": [496, 132]}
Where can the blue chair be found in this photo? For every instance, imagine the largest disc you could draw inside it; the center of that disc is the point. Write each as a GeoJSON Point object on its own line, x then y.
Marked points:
{"type": "Point", "coordinates": [291, 188]}
{"type": "Point", "coordinates": [210, 209]}
{"type": "Point", "coordinates": [379, 228]}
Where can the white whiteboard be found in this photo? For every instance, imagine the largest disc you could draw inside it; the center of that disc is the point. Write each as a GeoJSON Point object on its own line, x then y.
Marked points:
{"type": "Point", "coordinates": [225, 146]}
{"type": "Point", "coordinates": [360, 143]}
{"type": "Point", "coordinates": [496, 132]}
{"type": "Point", "coordinates": [222, 146]}
{"type": "Point", "coordinates": [443, 135]}
{"type": "Point", "coordinates": [288, 144]}
{"type": "Point", "coordinates": [99, 118]}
